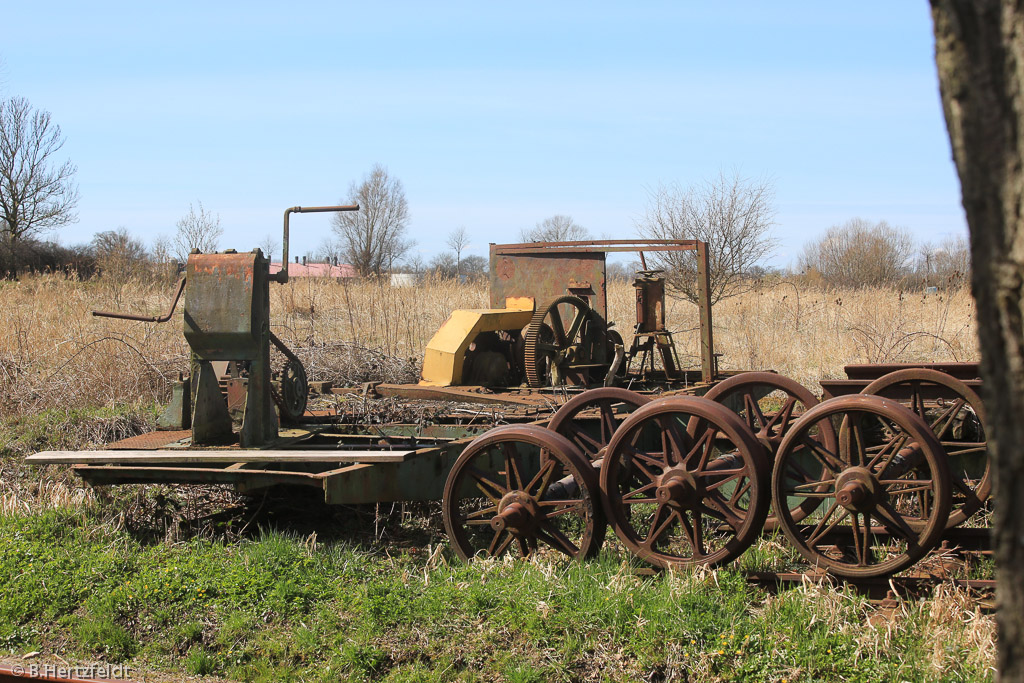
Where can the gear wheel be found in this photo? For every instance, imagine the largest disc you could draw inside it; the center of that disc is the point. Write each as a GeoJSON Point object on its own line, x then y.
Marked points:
{"type": "Point", "coordinates": [548, 344]}
{"type": "Point", "coordinates": [292, 393]}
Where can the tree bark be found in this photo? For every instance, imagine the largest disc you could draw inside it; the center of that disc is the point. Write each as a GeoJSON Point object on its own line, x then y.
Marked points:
{"type": "Point", "coordinates": [979, 52]}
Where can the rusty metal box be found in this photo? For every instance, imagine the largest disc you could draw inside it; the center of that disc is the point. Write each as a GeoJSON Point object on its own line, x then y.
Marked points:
{"type": "Point", "coordinates": [226, 305]}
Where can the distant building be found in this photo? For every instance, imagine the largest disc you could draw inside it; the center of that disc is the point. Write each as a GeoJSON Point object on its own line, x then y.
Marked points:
{"type": "Point", "coordinates": [403, 280]}
{"type": "Point", "coordinates": [325, 270]}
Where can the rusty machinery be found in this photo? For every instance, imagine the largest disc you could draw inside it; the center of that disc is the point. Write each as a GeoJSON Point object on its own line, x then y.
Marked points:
{"type": "Point", "coordinates": [227, 327]}
{"type": "Point", "coordinates": [862, 484]}
{"type": "Point", "coordinates": [548, 322]}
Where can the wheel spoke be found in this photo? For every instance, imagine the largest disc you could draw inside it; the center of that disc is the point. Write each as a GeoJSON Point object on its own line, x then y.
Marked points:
{"type": "Point", "coordinates": [890, 449]}
{"type": "Point", "coordinates": [705, 444]}
{"type": "Point", "coordinates": [861, 543]}
{"type": "Point", "coordinates": [542, 479]}
{"type": "Point", "coordinates": [646, 472]}
{"type": "Point", "coordinates": [754, 415]}
{"type": "Point", "coordinates": [721, 511]}
{"type": "Point", "coordinates": [645, 487]}
{"type": "Point", "coordinates": [484, 483]}
{"type": "Point", "coordinates": [728, 476]}
{"type": "Point", "coordinates": [656, 529]}
{"type": "Point", "coordinates": [574, 327]}
{"type": "Point", "coordinates": [916, 399]}
{"type": "Point", "coordinates": [857, 454]}
{"type": "Point", "coordinates": [556, 539]}
{"type": "Point", "coordinates": [608, 422]}
{"type": "Point", "coordinates": [892, 520]}
{"type": "Point", "coordinates": [810, 486]}
{"type": "Point", "coordinates": [782, 418]}
{"type": "Point", "coordinates": [513, 475]}
{"type": "Point", "coordinates": [738, 493]}
{"type": "Point", "coordinates": [694, 533]}
{"type": "Point", "coordinates": [569, 509]}
{"type": "Point", "coordinates": [827, 458]}
{"type": "Point", "coordinates": [500, 543]}
{"type": "Point", "coordinates": [947, 418]}
{"type": "Point", "coordinates": [477, 517]}
{"type": "Point", "coordinates": [581, 437]}
{"type": "Point", "coordinates": [823, 526]}
{"type": "Point", "coordinates": [559, 329]}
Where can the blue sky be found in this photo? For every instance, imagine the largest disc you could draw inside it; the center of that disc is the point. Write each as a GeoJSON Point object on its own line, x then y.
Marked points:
{"type": "Point", "coordinates": [493, 116]}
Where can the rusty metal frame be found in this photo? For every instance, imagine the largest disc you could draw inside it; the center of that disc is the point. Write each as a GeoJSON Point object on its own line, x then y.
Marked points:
{"type": "Point", "coordinates": [554, 249]}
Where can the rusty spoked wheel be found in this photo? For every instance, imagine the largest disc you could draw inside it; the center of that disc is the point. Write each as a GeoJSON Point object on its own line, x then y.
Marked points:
{"type": "Point", "coordinates": [884, 494]}
{"type": "Point", "coordinates": [524, 490]}
{"type": "Point", "coordinates": [770, 404]}
{"type": "Point", "coordinates": [956, 416]}
{"type": "Point", "coordinates": [554, 354]}
{"type": "Point", "coordinates": [590, 419]}
{"type": "Point", "coordinates": [685, 483]}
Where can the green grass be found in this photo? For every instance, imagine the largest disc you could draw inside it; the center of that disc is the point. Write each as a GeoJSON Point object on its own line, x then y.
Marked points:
{"type": "Point", "coordinates": [279, 608]}
{"type": "Point", "coordinates": [67, 429]}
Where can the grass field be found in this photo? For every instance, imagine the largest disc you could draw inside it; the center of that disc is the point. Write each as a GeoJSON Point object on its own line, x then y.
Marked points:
{"type": "Point", "coordinates": [199, 581]}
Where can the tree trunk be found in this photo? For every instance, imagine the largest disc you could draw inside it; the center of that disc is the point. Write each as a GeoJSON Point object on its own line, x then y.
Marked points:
{"type": "Point", "coordinates": [979, 52]}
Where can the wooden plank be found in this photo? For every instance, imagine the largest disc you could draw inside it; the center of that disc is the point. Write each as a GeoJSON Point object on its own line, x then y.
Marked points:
{"type": "Point", "coordinates": [223, 456]}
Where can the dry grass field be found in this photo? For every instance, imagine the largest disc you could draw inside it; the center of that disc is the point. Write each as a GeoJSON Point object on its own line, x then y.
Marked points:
{"type": "Point", "coordinates": [53, 353]}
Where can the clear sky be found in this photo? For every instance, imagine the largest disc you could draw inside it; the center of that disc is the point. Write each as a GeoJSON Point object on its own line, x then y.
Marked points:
{"type": "Point", "coordinates": [493, 115]}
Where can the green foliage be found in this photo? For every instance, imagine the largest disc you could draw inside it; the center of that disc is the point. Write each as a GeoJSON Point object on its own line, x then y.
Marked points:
{"type": "Point", "coordinates": [275, 609]}
{"type": "Point", "coordinates": [70, 429]}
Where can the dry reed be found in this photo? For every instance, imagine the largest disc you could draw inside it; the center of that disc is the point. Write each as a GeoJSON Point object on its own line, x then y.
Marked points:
{"type": "Point", "coordinates": [54, 354]}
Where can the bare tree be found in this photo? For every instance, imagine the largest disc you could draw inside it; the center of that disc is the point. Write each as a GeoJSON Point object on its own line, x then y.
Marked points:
{"type": "Point", "coordinates": [269, 245]}
{"type": "Point", "coordinates": [458, 240]}
{"type": "Point", "coordinates": [475, 266]}
{"type": "Point", "coordinates": [330, 251]}
{"type": "Point", "coordinates": [373, 238]}
{"type": "Point", "coordinates": [120, 258]}
{"type": "Point", "coordinates": [733, 214]}
{"type": "Point", "coordinates": [557, 228]}
{"type": "Point", "coordinates": [200, 231]}
{"type": "Point", "coordinates": [37, 192]}
{"type": "Point", "coordinates": [978, 48]}
{"type": "Point", "coordinates": [162, 256]}
{"type": "Point", "coordinates": [442, 264]}
{"type": "Point", "coordinates": [859, 253]}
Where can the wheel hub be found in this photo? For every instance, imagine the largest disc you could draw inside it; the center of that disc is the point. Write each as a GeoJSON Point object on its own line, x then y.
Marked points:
{"type": "Point", "coordinates": [679, 488]}
{"type": "Point", "coordinates": [518, 513]}
{"type": "Point", "coordinates": [858, 490]}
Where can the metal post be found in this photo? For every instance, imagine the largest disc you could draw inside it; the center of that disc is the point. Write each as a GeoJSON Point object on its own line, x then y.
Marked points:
{"type": "Point", "coordinates": [707, 344]}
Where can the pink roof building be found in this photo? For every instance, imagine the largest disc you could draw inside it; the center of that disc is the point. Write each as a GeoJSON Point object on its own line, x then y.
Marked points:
{"type": "Point", "coordinates": [316, 270]}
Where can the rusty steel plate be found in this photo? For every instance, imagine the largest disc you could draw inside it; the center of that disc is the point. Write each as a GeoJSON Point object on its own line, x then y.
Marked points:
{"type": "Point", "coordinates": [150, 440]}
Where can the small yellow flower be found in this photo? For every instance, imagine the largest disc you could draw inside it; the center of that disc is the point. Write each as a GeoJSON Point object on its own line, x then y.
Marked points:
{"type": "Point", "coordinates": [721, 652]}
{"type": "Point", "coordinates": [693, 642]}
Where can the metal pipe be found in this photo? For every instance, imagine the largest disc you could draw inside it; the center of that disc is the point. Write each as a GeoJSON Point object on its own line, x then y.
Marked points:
{"type": "Point", "coordinates": [147, 318]}
{"type": "Point", "coordinates": [282, 276]}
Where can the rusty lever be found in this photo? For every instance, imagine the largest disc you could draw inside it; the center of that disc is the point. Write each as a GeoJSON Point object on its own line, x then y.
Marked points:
{"type": "Point", "coordinates": [282, 275]}
{"type": "Point", "coordinates": [147, 318]}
